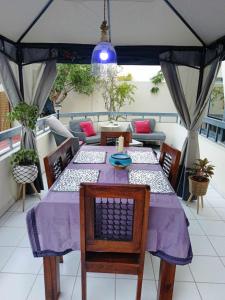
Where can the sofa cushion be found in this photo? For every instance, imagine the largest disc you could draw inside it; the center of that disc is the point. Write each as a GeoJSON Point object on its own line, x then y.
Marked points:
{"type": "Point", "coordinates": [74, 125]}
{"type": "Point", "coordinates": [152, 123]}
{"type": "Point", "coordinates": [58, 127]}
{"type": "Point", "coordinates": [142, 126]}
{"type": "Point", "coordinates": [95, 139]}
{"type": "Point", "coordinates": [154, 136]}
{"type": "Point", "coordinates": [87, 128]}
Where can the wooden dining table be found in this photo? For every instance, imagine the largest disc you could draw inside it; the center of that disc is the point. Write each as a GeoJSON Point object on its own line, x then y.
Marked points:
{"type": "Point", "coordinates": [54, 225]}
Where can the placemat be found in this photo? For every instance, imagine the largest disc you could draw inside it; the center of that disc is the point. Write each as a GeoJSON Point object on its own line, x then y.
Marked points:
{"type": "Point", "coordinates": [142, 157]}
{"type": "Point", "coordinates": [70, 180]}
{"type": "Point", "coordinates": [156, 179]}
{"type": "Point", "coordinates": [90, 157]}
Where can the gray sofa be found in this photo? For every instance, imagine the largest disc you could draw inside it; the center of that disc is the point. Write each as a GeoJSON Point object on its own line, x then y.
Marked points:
{"type": "Point", "coordinates": [154, 136]}
{"type": "Point", "coordinates": [74, 127]}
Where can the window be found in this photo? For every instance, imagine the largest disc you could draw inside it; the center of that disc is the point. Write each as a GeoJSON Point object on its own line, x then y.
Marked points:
{"type": "Point", "coordinates": [216, 103]}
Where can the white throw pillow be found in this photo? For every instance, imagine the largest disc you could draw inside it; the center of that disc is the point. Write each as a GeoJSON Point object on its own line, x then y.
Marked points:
{"type": "Point", "coordinates": [58, 127]}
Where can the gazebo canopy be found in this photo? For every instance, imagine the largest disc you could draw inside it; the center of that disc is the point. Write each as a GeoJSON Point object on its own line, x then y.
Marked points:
{"type": "Point", "coordinates": [140, 29]}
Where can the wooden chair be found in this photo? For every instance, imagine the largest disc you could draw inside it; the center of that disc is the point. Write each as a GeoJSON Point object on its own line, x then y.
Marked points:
{"type": "Point", "coordinates": [110, 135]}
{"type": "Point", "coordinates": [113, 230]}
{"type": "Point", "coordinates": [57, 160]}
{"type": "Point", "coordinates": [169, 160]}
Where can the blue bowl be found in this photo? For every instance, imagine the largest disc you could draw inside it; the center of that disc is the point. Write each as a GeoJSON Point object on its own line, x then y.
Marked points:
{"type": "Point", "coordinates": [120, 160]}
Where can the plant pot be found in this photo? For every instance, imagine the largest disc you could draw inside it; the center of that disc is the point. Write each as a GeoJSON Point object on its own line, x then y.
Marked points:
{"type": "Point", "coordinates": [198, 188]}
{"type": "Point", "coordinates": [25, 174]}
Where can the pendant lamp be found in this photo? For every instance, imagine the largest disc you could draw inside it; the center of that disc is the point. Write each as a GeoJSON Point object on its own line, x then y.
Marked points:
{"type": "Point", "coordinates": [104, 57]}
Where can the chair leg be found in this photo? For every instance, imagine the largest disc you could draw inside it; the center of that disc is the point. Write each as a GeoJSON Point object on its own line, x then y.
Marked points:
{"type": "Point", "coordinates": [24, 194]}
{"type": "Point", "coordinates": [189, 199]}
{"type": "Point", "coordinates": [139, 286]}
{"type": "Point", "coordinates": [83, 283]}
{"type": "Point", "coordinates": [202, 201]}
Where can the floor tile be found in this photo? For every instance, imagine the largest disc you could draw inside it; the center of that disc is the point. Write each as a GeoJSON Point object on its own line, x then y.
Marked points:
{"type": "Point", "coordinates": [15, 286]}
{"type": "Point", "coordinates": [66, 286]}
{"type": "Point", "coordinates": [210, 291]}
{"type": "Point", "coordinates": [202, 246]}
{"type": "Point", "coordinates": [183, 273]}
{"type": "Point", "coordinates": [187, 211]}
{"type": "Point", "coordinates": [208, 269]}
{"type": "Point", "coordinates": [216, 201]}
{"type": "Point", "coordinates": [25, 242]}
{"type": "Point", "coordinates": [218, 243]}
{"type": "Point", "coordinates": [17, 219]}
{"type": "Point", "coordinates": [22, 261]}
{"type": "Point", "coordinates": [185, 291]}
{"type": "Point", "coordinates": [126, 289]}
{"type": "Point", "coordinates": [5, 217]}
{"type": "Point", "coordinates": [213, 227]}
{"type": "Point", "coordinates": [11, 236]}
{"type": "Point", "coordinates": [97, 289]}
{"type": "Point", "coordinates": [29, 203]}
{"type": "Point", "coordinates": [70, 263]}
{"type": "Point", "coordinates": [221, 212]}
{"type": "Point", "coordinates": [206, 213]}
{"type": "Point", "coordinates": [5, 253]}
{"type": "Point", "coordinates": [148, 270]}
{"type": "Point", "coordinates": [194, 228]}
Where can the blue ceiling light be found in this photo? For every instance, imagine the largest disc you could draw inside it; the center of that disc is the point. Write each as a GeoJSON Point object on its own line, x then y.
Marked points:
{"type": "Point", "coordinates": [104, 56]}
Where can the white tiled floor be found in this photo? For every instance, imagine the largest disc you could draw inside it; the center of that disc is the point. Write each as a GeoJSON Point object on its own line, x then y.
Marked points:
{"type": "Point", "coordinates": [21, 275]}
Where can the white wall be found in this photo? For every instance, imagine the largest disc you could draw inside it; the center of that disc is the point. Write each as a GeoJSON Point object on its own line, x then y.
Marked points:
{"type": "Point", "coordinates": [8, 187]}
{"type": "Point", "coordinates": [145, 101]}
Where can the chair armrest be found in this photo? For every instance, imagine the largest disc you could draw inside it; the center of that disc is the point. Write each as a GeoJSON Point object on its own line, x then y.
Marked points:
{"type": "Point", "coordinates": [81, 135]}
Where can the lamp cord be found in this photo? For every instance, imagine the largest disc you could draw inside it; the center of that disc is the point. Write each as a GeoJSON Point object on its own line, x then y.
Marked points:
{"type": "Point", "coordinates": [109, 23]}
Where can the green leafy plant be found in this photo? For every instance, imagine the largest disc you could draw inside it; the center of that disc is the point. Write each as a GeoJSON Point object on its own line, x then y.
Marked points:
{"type": "Point", "coordinates": [24, 157]}
{"type": "Point", "coordinates": [217, 95]}
{"type": "Point", "coordinates": [76, 78]}
{"type": "Point", "coordinates": [115, 93]}
{"type": "Point", "coordinates": [24, 113]}
{"type": "Point", "coordinates": [202, 170]}
{"type": "Point", "coordinates": [156, 81]}
{"type": "Point", "coordinates": [127, 77]}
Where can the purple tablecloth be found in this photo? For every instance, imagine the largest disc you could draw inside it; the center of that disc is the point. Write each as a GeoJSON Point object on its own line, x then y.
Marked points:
{"type": "Point", "coordinates": [54, 224]}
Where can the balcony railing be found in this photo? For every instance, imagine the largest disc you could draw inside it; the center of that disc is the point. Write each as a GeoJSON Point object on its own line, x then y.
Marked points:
{"type": "Point", "coordinates": [213, 129]}
{"type": "Point", "coordinates": [10, 138]}
{"type": "Point", "coordinates": [122, 116]}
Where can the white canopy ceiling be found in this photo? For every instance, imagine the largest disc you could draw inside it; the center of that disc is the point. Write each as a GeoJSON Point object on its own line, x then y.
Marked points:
{"type": "Point", "coordinates": [133, 22]}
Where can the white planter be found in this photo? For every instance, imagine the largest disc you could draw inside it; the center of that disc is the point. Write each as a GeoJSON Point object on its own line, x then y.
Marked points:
{"type": "Point", "coordinates": [25, 174]}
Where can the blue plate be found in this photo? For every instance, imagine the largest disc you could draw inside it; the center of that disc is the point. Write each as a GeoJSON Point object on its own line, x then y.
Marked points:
{"type": "Point", "coordinates": [120, 160]}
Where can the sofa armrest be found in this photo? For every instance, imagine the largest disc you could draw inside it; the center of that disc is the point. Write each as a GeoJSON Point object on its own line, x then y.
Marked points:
{"type": "Point", "coordinates": [81, 135]}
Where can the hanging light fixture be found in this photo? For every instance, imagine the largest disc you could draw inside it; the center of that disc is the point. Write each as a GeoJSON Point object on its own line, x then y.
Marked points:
{"type": "Point", "coordinates": [104, 57]}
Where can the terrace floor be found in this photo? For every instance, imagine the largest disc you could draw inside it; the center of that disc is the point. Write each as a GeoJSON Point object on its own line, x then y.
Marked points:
{"type": "Point", "coordinates": [21, 275]}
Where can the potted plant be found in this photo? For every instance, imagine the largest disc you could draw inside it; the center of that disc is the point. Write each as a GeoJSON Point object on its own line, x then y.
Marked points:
{"type": "Point", "coordinates": [23, 165]}
{"type": "Point", "coordinates": [23, 161]}
{"type": "Point", "coordinates": [199, 180]}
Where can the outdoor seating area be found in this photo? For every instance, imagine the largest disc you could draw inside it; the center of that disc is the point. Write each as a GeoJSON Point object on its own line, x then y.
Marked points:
{"type": "Point", "coordinates": [112, 150]}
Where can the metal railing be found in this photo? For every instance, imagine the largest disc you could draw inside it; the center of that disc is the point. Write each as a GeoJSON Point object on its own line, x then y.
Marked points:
{"type": "Point", "coordinates": [213, 129]}
{"type": "Point", "coordinates": [10, 138]}
{"type": "Point", "coordinates": [122, 116]}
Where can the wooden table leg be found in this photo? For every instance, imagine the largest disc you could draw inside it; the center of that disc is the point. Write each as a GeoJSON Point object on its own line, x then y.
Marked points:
{"type": "Point", "coordinates": [51, 277]}
{"type": "Point", "coordinates": [166, 280]}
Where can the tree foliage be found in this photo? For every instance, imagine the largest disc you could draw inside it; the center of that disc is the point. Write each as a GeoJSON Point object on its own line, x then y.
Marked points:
{"type": "Point", "coordinates": [72, 77]}
{"type": "Point", "coordinates": [116, 93]}
{"type": "Point", "coordinates": [156, 81]}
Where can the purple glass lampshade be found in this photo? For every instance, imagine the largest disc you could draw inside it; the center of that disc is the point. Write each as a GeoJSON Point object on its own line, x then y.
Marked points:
{"type": "Point", "coordinates": [103, 57]}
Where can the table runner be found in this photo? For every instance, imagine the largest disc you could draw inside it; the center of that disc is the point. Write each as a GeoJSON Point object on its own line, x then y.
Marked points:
{"type": "Point", "coordinates": [54, 224]}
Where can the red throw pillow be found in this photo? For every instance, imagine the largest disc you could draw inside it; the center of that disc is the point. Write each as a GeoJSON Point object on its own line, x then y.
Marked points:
{"type": "Point", "coordinates": [142, 126]}
{"type": "Point", "coordinates": [87, 128]}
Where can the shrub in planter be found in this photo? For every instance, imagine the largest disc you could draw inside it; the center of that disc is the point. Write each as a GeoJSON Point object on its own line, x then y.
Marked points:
{"type": "Point", "coordinates": [199, 180]}
{"type": "Point", "coordinates": [23, 165]}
